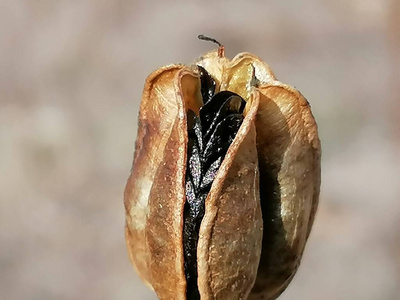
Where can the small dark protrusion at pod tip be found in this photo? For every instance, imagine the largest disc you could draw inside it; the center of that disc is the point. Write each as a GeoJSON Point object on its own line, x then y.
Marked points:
{"type": "Point", "coordinates": [221, 48]}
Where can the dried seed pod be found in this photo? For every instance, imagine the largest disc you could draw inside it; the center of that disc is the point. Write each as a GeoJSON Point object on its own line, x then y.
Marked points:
{"type": "Point", "coordinates": [225, 180]}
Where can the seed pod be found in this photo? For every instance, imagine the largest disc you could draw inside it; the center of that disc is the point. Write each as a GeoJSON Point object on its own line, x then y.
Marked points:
{"type": "Point", "coordinates": [225, 180]}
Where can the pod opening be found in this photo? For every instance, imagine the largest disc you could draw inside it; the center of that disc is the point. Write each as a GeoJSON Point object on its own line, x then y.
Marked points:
{"type": "Point", "coordinates": [209, 136]}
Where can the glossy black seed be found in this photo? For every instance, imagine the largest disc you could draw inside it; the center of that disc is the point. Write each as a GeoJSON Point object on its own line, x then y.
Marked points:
{"type": "Point", "coordinates": [209, 137]}
{"type": "Point", "coordinates": [194, 128]}
{"type": "Point", "coordinates": [211, 108]}
{"type": "Point", "coordinates": [195, 143]}
{"type": "Point", "coordinates": [221, 138]}
{"type": "Point", "coordinates": [209, 175]}
{"type": "Point", "coordinates": [207, 84]}
{"type": "Point", "coordinates": [233, 105]}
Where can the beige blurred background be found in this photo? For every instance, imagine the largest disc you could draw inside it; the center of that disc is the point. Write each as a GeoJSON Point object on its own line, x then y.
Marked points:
{"type": "Point", "coordinates": [71, 77]}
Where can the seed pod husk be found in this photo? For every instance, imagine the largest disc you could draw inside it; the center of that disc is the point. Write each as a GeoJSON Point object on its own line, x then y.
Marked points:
{"type": "Point", "coordinates": [225, 181]}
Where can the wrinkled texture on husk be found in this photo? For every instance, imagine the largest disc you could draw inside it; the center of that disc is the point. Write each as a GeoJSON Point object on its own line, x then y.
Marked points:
{"type": "Point", "coordinates": [262, 203]}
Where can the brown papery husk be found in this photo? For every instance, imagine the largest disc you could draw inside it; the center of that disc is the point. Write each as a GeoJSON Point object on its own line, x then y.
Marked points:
{"type": "Point", "coordinates": [155, 194]}
{"type": "Point", "coordinates": [289, 157]}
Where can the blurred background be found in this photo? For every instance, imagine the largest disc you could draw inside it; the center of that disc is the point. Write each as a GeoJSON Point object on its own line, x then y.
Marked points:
{"type": "Point", "coordinates": [71, 77]}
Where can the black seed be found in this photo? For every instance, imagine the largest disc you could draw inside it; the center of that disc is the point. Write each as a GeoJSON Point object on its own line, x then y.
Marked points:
{"type": "Point", "coordinates": [194, 128]}
{"type": "Point", "coordinates": [209, 137]}
{"type": "Point", "coordinates": [209, 175]}
{"type": "Point", "coordinates": [211, 108]}
{"type": "Point", "coordinates": [207, 84]}
{"type": "Point", "coordinates": [222, 137]}
{"type": "Point", "coordinates": [233, 105]}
